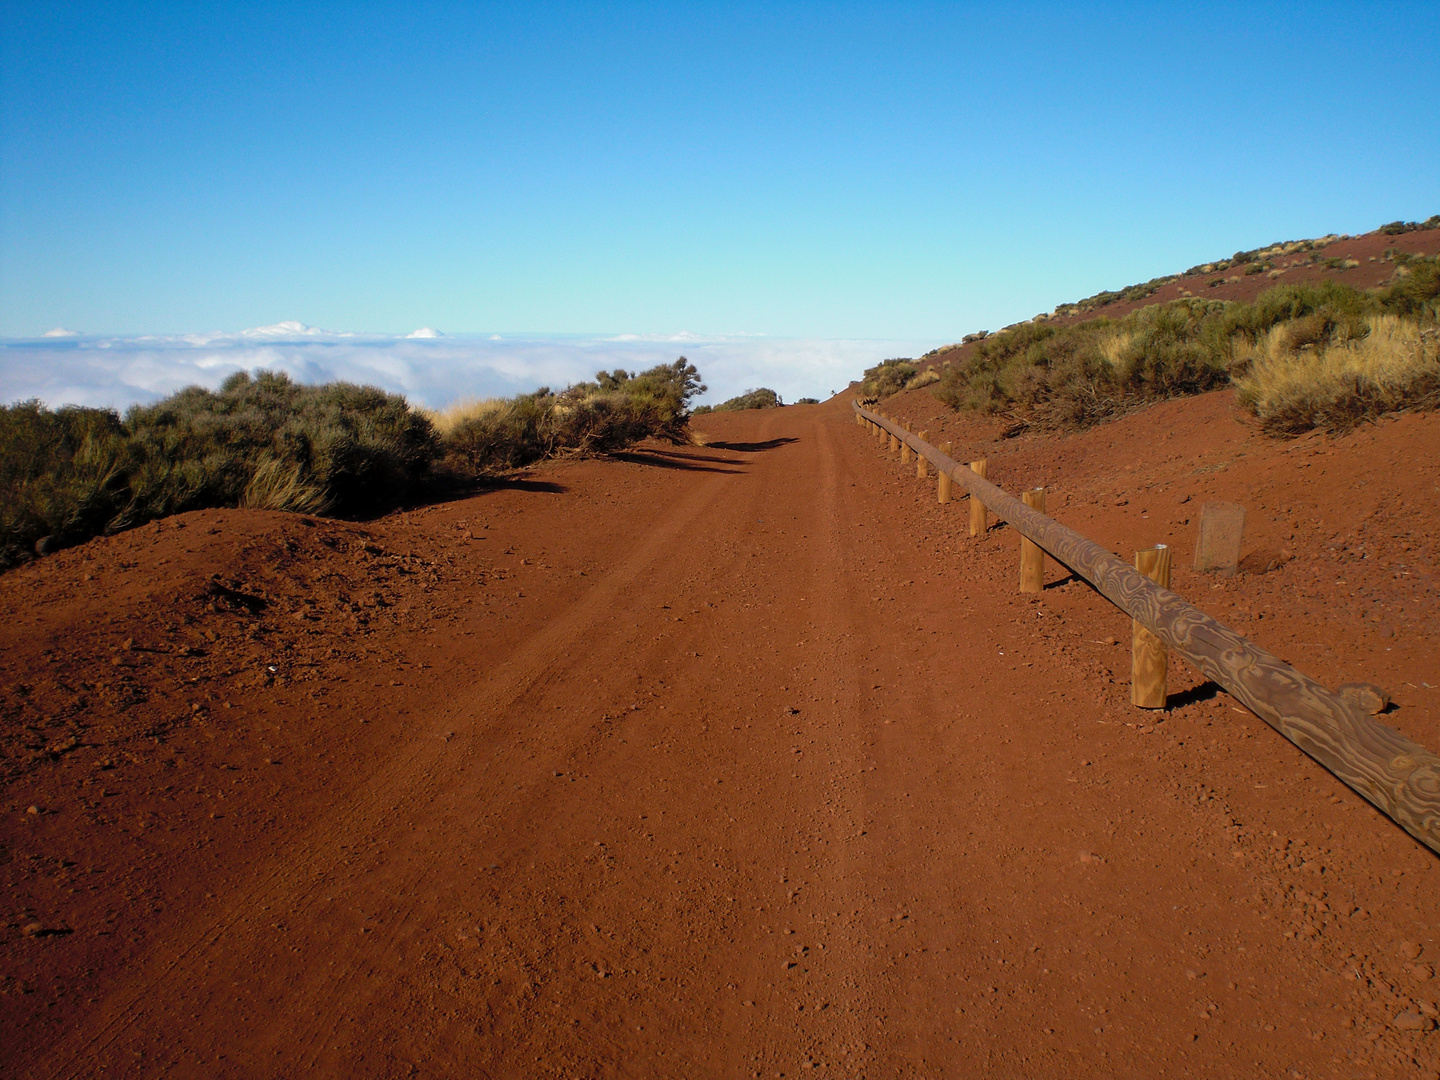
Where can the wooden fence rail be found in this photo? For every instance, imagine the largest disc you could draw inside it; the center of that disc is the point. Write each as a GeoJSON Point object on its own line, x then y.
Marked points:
{"type": "Point", "coordinates": [1398, 776]}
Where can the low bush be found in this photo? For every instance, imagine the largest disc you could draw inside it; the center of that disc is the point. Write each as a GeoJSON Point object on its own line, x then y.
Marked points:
{"type": "Point", "coordinates": [263, 442]}
{"type": "Point", "coordinates": [269, 443]}
{"type": "Point", "coordinates": [807, 401]}
{"type": "Point", "coordinates": [618, 409]}
{"type": "Point", "coordinates": [1296, 380]}
{"type": "Point", "coordinates": [63, 474]}
{"type": "Point", "coordinates": [887, 377]}
{"type": "Point", "coordinates": [1075, 375]}
{"type": "Point", "coordinates": [1396, 228]}
{"type": "Point", "coordinates": [763, 398]}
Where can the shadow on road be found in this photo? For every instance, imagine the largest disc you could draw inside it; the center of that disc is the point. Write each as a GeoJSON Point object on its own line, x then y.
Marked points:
{"type": "Point", "coordinates": [517, 484]}
{"type": "Point", "coordinates": [692, 457]}
{"type": "Point", "coordinates": [750, 447]}
{"type": "Point", "coordinates": [677, 461]}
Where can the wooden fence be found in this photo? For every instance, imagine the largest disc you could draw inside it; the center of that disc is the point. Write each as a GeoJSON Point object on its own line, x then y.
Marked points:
{"type": "Point", "coordinates": [1398, 776]}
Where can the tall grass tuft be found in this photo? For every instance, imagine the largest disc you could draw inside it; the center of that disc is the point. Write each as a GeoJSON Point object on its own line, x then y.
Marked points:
{"type": "Point", "coordinates": [1293, 383]}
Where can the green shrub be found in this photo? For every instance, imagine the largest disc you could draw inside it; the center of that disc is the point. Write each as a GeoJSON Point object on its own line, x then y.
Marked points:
{"type": "Point", "coordinates": [62, 475]}
{"type": "Point", "coordinates": [763, 398]}
{"type": "Point", "coordinates": [263, 442]}
{"type": "Point", "coordinates": [1396, 228]}
{"type": "Point", "coordinates": [807, 401]}
{"type": "Point", "coordinates": [887, 377]}
{"type": "Point", "coordinates": [617, 410]}
{"type": "Point", "coordinates": [344, 447]}
{"type": "Point", "coordinates": [1079, 374]}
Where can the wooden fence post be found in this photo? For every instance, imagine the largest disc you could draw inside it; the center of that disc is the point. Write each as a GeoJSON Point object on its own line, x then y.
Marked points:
{"type": "Point", "coordinates": [920, 458]}
{"type": "Point", "coordinates": [977, 508]}
{"type": "Point", "coordinates": [1032, 555]}
{"type": "Point", "coordinates": [1149, 660]}
{"type": "Point", "coordinates": [1399, 777]}
{"type": "Point", "coordinates": [942, 489]}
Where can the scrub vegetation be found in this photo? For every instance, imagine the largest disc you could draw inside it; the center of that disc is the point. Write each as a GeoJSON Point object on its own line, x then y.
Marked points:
{"type": "Point", "coordinates": [1302, 356]}
{"type": "Point", "coordinates": [763, 398]}
{"type": "Point", "coordinates": [266, 442]}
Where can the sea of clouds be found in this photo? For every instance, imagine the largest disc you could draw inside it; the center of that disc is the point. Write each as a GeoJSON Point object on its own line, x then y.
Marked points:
{"type": "Point", "coordinates": [430, 368]}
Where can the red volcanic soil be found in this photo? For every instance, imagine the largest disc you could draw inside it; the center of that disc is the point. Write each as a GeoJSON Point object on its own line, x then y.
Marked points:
{"type": "Point", "coordinates": [737, 760]}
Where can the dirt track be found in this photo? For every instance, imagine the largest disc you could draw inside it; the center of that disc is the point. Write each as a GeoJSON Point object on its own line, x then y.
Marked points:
{"type": "Point", "coordinates": [723, 761]}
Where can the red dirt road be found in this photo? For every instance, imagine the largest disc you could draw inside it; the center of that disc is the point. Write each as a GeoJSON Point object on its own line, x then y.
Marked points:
{"type": "Point", "coordinates": [738, 760]}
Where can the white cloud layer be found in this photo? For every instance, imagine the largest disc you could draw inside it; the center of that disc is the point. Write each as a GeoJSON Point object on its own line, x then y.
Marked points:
{"type": "Point", "coordinates": [427, 366]}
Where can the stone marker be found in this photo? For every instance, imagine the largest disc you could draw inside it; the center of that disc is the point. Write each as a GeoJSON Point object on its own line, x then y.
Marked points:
{"type": "Point", "coordinates": [1218, 548]}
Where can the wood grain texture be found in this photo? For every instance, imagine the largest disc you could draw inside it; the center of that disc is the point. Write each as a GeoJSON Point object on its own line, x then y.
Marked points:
{"type": "Point", "coordinates": [979, 522]}
{"type": "Point", "coordinates": [1398, 776]}
{"type": "Point", "coordinates": [1032, 555]}
{"type": "Point", "coordinates": [1149, 659]}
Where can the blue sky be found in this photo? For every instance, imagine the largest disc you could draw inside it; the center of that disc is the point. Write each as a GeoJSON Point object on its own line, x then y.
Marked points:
{"type": "Point", "coordinates": [878, 171]}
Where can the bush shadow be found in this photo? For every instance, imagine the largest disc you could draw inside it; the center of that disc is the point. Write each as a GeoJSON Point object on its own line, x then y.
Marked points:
{"type": "Point", "coordinates": [661, 460]}
{"type": "Point", "coordinates": [751, 447]}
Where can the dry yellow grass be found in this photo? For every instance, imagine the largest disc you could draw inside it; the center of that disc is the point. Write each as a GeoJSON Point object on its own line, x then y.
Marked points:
{"type": "Point", "coordinates": [280, 485]}
{"type": "Point", "coordinates": [1396, 365]}
{"type": "Point", "coordinates": [448, 419]}
{"type": "Point", "coordinates": [924, 378]}
{"type": "Point", "coordinates": [1114, 344]}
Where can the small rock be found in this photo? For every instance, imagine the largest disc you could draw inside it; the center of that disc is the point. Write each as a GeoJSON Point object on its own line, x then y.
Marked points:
{"type": "Point", "coordinates": [47, 545]}
{"type": "Point", "coordinates": [32, 810]}
{"type": "Point", "coordinates": [1089, 857]}
{"type": "Point", "coordinates": [1411, 950]}
{"type": "Point", "coordinates": [1412, 1021]}
{"type": "Point", "coordinates": [1365, 696]}
{"type": "Point", "coordinates": [33, 929]}
{"type": "Point", "coordinates": [1422, 972]}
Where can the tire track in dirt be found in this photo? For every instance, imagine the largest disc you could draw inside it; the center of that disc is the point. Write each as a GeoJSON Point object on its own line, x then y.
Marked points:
{"type": "Point", "coordinates": [409, 781]}
{"type": "Point", "coordinates": [801, 781]}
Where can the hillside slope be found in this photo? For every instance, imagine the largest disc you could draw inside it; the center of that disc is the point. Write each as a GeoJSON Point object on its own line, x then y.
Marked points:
{"type": "Point", "coordinates": [1363, 262]}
